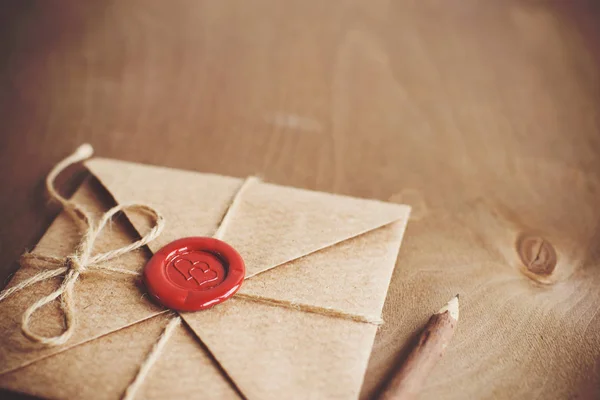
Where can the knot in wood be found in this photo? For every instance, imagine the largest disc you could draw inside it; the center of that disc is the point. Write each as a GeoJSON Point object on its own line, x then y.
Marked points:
{"type": "Point", "coordinates": [537, 254]}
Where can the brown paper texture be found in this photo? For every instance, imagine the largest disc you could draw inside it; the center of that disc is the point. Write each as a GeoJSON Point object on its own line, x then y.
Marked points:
{"type": "Point", "coordinates": [102, 368]}
{"type": "Point", "coordinates": [305, 247]}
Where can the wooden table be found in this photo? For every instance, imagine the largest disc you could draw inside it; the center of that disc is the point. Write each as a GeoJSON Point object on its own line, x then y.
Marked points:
{"type": "Point", "coordinates": [483, 117]}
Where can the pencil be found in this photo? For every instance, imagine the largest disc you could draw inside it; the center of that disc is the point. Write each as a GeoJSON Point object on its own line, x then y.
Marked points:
{"type": "Point", "coordinates": [407, 382]}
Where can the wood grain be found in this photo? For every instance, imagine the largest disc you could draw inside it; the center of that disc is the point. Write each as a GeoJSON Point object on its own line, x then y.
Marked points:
{"type": "Point", "coordinates": [483, 115]}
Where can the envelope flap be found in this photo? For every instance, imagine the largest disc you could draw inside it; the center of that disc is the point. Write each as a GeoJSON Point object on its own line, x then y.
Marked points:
{"type": "Point", "coordinates": [193, 204]}
{"type": "Point", "coordinates": [280, 353]}
{"type": "Point", "coordinates": [278, 224]}
{"type": "Point", "coordinates": [352, 276]}
{"type": "Point", "coordinates": [273, 225]}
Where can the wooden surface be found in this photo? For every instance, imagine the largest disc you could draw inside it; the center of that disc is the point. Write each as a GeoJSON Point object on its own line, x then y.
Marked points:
{"type": "Point", "coordinates": [482, 115]}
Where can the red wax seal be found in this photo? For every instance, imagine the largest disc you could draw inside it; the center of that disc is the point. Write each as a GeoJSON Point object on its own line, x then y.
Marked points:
{"type": "Point", "coordinates": [194, 273]}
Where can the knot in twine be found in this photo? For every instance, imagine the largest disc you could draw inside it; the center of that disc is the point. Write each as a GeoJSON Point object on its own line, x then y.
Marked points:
{"type": "Point", "coordinates": [81, 261]}
{"type": "Point", "coordinates": [72, 262]}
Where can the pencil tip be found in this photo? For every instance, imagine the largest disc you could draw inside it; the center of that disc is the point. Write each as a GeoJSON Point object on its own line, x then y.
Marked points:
{"type": "Point", "coordinates": [451, 307]}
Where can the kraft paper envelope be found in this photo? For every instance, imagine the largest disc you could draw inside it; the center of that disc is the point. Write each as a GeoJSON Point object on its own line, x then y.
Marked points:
{"type": "Point", "coordinates": [300, 247]}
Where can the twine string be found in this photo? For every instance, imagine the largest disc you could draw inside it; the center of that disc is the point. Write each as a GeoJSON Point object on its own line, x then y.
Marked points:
{"type": "Point", "coordinates": [327, 311]}
{"type": "Point", "coordinates": [81, 261]}
{"type": "Point", "coordinates": [151, 358]}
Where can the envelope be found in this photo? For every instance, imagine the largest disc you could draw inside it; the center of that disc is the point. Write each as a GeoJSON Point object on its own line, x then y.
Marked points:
{"type": "Point", "coordinates": [303, 250]}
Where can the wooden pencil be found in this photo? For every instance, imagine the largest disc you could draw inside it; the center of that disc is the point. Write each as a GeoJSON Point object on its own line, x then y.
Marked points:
{"type": "Point", "coordinates": [408, 380]}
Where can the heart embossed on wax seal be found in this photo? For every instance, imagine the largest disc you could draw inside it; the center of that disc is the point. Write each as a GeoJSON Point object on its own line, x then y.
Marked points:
{"type": "Point", "coordinates": [199, 271]}
{"type": "Point", "coordinates": [193, 274]}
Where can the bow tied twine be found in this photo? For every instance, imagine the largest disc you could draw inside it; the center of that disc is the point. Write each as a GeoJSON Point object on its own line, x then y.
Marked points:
{"type": "Point", "coordinates": [81, 261]}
